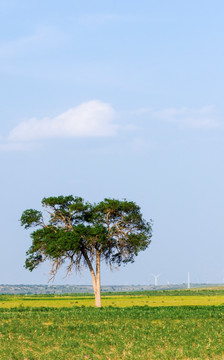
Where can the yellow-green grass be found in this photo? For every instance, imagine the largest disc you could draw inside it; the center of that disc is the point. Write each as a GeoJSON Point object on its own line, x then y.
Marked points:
{"type": "Point", "coordinates": [181, 325]}
{"type": "Point", "coordinates": [112, 333]}
{"type": "Point", "coordinates": [109, 300]}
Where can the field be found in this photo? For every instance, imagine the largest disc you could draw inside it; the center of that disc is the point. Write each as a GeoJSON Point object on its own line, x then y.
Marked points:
{"type": "Point", "coordinates": [145, 325]}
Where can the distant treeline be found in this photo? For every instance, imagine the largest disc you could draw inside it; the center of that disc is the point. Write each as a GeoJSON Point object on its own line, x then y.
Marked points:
{"type": "Point", "coordinates": [68, 289]}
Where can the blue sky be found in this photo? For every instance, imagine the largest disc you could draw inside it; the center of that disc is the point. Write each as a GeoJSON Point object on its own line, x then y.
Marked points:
{"type": "Point", "coordinates": [116, 99]}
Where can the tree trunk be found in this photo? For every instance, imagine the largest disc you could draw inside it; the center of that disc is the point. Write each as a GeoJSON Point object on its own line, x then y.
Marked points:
{"type": "Point", "coordinates": [97, 283]}
{"type": "Point", "coordinates": [95, 277]}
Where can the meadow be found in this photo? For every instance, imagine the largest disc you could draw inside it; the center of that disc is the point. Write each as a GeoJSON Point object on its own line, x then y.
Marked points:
{"type": "Point", "coordinates": [144, 325]}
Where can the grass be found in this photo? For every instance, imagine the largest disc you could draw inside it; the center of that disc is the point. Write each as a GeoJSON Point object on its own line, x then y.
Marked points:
{"type": "Point", "coordinates": [150, 298]}
{"type": "Point", "coordinates": [52, 328]}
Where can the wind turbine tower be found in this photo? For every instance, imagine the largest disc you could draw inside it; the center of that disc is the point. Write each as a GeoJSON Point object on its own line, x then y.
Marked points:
{"type": "Point", "coordinates": [188, 281]}
{"type": "Point", "coordinates": [156, 278]}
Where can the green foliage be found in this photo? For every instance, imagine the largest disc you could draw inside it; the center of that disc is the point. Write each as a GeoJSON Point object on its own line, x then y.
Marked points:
{"type": "Point", "coordinates": [75, 231]}
{"type": "Point", "coordinates": [127, 232]}
{"type": "Point", "coordinates": [30, 218]}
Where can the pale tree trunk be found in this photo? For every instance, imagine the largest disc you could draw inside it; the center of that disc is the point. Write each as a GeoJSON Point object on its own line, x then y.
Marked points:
{"type": "Point", "coordinates": [98, 287]}
{"type": "Point", "coordinates": [95, 277]}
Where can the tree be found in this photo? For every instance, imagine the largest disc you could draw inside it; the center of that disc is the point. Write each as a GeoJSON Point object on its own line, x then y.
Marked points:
{"type": "Point", "coordinates": [80, 233]}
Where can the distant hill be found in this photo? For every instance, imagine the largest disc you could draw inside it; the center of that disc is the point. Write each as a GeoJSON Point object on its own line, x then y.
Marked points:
{"type": "Point", "coordinates": [68, 289]}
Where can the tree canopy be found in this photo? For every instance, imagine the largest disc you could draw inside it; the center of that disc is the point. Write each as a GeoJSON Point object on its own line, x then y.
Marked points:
{"type": "Point", "coordinates": [78, 233]}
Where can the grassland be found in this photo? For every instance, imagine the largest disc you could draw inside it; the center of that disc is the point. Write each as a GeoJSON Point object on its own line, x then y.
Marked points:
{"type": "Point", "coordinates": [150, 325]}
{"type": "Point", "coordinates": [149, 298]}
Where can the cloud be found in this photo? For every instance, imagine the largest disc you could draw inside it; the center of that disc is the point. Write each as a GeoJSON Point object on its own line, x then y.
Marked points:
{"type": "Point", "coordinates": [97, 119]}
{"type": "Point", "coordinates": [7, 146]}
{"type": "Point", "coordinates": [90, 119]}
{"type": "Point", "coordinates": [204, 117]}
{"type": "Point", "coordinates": [197, 118]}
{"type": "Point", "coordinates": [42, 39]}
{"type": "Point", "coordinates": [100, 18]}
{"type": "Point", "coordinates": [140, 144]}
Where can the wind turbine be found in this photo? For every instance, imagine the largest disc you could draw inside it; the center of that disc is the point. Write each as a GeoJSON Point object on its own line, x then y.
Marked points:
{"type": "Point", "coordinates": [188, 281]}
{"type": "Point", "coordinates": [156, 278]}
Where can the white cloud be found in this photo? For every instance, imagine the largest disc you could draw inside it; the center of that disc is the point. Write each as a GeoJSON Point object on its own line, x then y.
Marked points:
{"type": "Point", "coordinates": [204, 117]}
{"type": "Point", "coordinates": [43, 38]}
{"type": "Point", "coordinates": [97, 119]}
{"type": "Point", "coordinates": [99, 19]}
{"type": "Point", "coordinates": [90, 119]}
{"type": "Point", "coordinates": [140, 144]}
{"type": "Point", "coordinates": [14, 146]}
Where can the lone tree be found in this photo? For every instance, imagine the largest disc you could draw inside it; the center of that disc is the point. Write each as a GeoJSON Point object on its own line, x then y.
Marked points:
{"type": "Point", "coordinates": [80, 233]}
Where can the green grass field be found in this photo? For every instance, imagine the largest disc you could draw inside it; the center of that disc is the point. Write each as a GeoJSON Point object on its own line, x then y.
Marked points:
{"type": "Point", "coordinates": [150, 325]}
{"type": "Point", "coordinates": [149, 298]}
